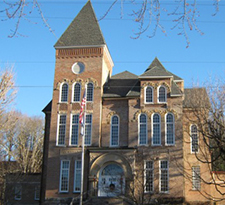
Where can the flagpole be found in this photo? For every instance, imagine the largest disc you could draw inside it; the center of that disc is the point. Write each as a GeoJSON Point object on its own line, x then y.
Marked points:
{"type": "Point", "coordinates": [82, 162]}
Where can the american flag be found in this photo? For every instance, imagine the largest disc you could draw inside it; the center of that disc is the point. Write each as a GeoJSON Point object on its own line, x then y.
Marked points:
{"type": "Point", "coordinates": [82, 109]}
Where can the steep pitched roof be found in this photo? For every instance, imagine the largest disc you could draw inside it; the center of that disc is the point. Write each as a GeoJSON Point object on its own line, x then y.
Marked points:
{"type": "Point", "coordinates": [196, 98]}
{"type": "Point", "coordinates": [123, 84]}
{"type": "Point", "coordinates": [48, 107]}
{"type": "Point", "coordinates": [175, 90]}
{"type": "Point", "coordinates": [156, 69]}
{"type": "Point", "coordinates": [84, 30]}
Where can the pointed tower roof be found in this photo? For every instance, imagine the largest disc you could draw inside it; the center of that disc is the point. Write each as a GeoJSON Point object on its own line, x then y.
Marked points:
{"type": "Point", "coordinates": [84, 30]}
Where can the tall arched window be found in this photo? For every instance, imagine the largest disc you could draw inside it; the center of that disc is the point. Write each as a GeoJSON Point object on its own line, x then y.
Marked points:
{"type": "Point", "coordinates": [148, 94]}
{"type": "Point", "coordinates": [64, 92]}
{"type": "Point", "coordinates": [143, 133]}
{"type": "Point", "coordinates": [114, 141]}
{"type": "Point", "coordinates": [156, 129]}
{"type": "Point", "coordinates": [90, 92]}
{"type": "Point", "coordinates": [161, 94]}
{"type": "Point", "coordinates": [170, 135]}
{"type": "Point", "coordinates": [194, 138]}
{"type": "Point", "coordinates": [76, 92]}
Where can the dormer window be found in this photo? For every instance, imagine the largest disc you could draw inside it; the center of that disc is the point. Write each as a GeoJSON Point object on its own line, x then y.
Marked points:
{"type": "Point", "coordinates": [148, 94]}
{"type": "Point", "coordinates": [162, 94]}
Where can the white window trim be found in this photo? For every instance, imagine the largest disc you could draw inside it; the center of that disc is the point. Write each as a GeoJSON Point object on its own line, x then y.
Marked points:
{"type": "Point", "coordinates": [139, 130]}
{"type": "Point", "coordinates": [191, 139]}
{"type": "Point", "coordinates": [111, 132]}
{"type": "Point", "coordinates": [145, 169]}
{"type": "Point", "coordinates": [71, 124]}
{"type": "Point", "coordinates": [160, 143]}
{"type": "Point", "coordinates": [57, 133]}
{"type": "Point", "coordinates": [72, 100]}
{"type": "Point", "coordinates": [152, 95]}
{"type": "Point", "coordinates": [60, 182]}
{"type": "Point", "coordinates": [92, 92]}
{"type": "Point", "coordinates": [60, 93]}
{"type": "Point", "coordinates": [164, 192]}
{"type": "Point", "coordinates": [158, 94]}
{"type": "Point", "coordinates": [85, 128]}
{"type": "Point", "coordinates": [166, 130]}
{"type": "Point", "coordinates": [75, 169]}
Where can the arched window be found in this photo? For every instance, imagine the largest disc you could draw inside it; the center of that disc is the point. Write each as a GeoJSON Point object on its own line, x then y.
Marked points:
{"type": "Point", "coordinates": [90, 92]}
{"type": "Point", "coordinates": [143, 136]}
{"type": "Point", "coordinates": [76, 92]}
{"type": "Point", "coordinates": [170, 135]}
{"type": "Point", "coordinates": [161, 94]}
{"type": "Point", "coordinates": [156, 129]}
{"type": "Point", "coordinates": [194, 139]}
{"type": "Point", "coordinates": [114, 141]}
{"type": "Point", "coordinates": [64, 92]}
{"type": "Point", "coordinates": [148, 94]}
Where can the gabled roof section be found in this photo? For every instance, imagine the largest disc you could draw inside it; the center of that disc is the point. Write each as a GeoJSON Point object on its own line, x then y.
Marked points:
{"type": "Point", "coordinates": [125, 75]}
{"type": "Point", "coordinates": [175, 90]}
{"type": "Point", "coordinates": [84, 30]}
{"type": "Point", "coordinates": [196, 98]}
{"type": "Point", "coordinates": [123, 84]}
{"type": "Point", "coordinates": [157, 70]}
{"type": "Point", "coordinates": [48, 107]}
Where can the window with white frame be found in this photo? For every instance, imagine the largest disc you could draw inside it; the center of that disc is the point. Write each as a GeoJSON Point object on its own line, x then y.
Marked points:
{"type": "Point", "coordinates": [88, 129]}
{"type": "Point", "coordinates": [64, 176]}
{"type": "Point", "coordinates": [61, 133]}
{"type": "Point", "coordinates": [196, 179]}
{"type": "Point", "coordinates": [194, 139]}
{"type": "Point", "coordinates": [90, 92]}
{"type": "Point", "coordinates": [114, 141]}
{"type": "Point", "coordinates": [161, 94]}
{"type": "Point", "coordinates": [148, 94]}
{"type": "Point", "coordinates": [76, 92]}
{"type": "Point", "coordinates": [37, 192]}
{"type": "Point", "coordinates": [18, 192]}
{"type": "Point", "coordinates": [77, 176]}
{"type": "Point", "coordinates": [74, 130]}
{"type": "Point", "coordinates": [149, 176]}
{"type": "Point", "coordinates": [156, 129]}
{"type": "Point", "coordinates": [143, 131]}
{"type": "Point", "coordinates": [64, 92]}
{"type": "Point", "coordinates": [164, 176]}
{"type": "Point", "coordinates": [170, 129]}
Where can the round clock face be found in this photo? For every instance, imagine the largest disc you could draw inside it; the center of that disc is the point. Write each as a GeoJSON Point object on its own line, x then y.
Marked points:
{"type": "Point", "coordinates": [78, 68]}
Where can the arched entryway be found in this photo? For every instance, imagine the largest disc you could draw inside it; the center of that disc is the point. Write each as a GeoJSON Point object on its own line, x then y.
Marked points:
{"type": "Point", "coordinates": [111, 181]}
{"type": "Point", "coordinates": [107, 168]}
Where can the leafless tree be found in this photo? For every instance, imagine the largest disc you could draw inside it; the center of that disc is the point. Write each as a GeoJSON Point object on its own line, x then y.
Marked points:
{"type": "Point", "coordinates": [21, 144]}
{"type": "Point", "coordinates": [18, 11]}
{"type": "Point", "coordinates": [206, 113]}
{"type": "Point", "coordinates": [22, 141]}
{"type": "Point", "coordinates": [148, 14]}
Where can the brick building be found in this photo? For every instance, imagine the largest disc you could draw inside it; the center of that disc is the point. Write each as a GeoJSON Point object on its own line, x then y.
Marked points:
{"type": "Point", "coordinates": [135, 139]}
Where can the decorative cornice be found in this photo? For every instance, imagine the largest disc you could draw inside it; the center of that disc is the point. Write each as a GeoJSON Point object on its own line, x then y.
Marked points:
{"type": "Point", "coordinates": [156, 85]}
{"type": "Point", "coordinates": [92, 80]}
{"type": "Point", "coordinates": [108, 117]}
{"type": "Point", "coordinates": [150, 112]}
{"type": "Point", "coordinates": [78, 80]}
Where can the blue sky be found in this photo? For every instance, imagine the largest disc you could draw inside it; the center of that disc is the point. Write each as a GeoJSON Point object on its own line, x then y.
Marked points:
{"type": "Point", "coordinates": [33, 54]}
